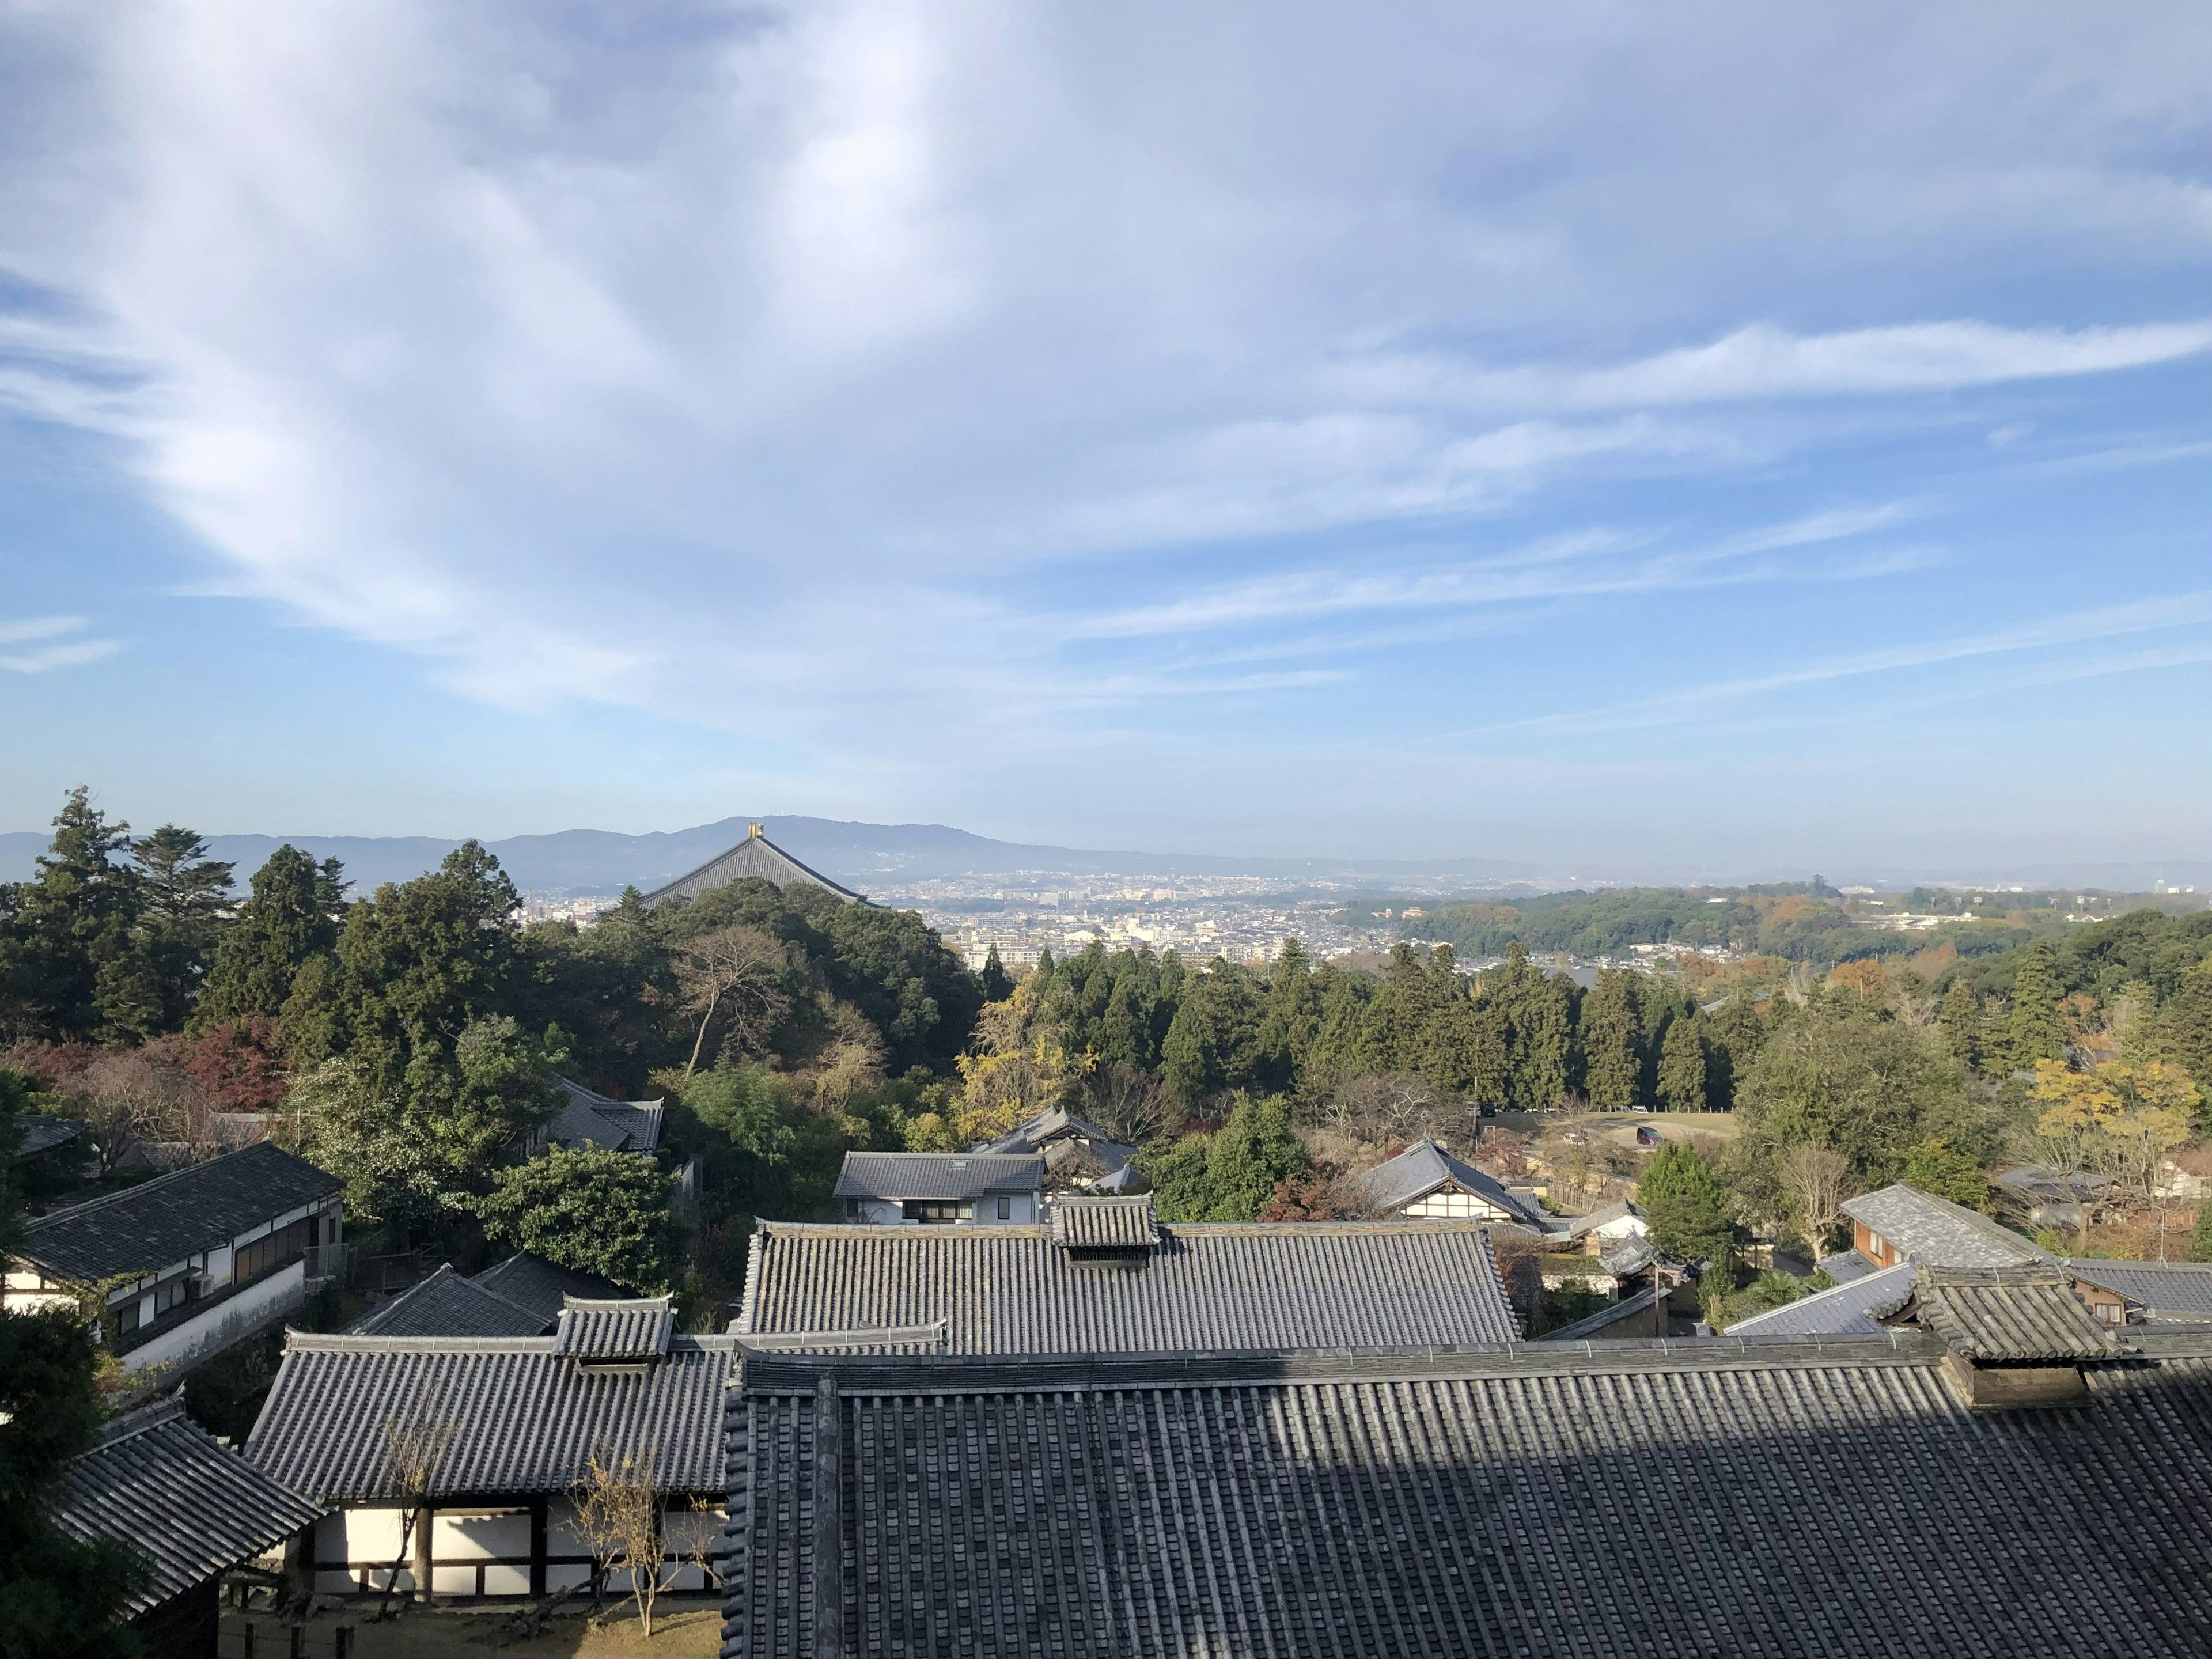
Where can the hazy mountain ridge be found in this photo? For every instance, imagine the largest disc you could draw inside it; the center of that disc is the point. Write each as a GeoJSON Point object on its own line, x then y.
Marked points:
{"type": "Point", "coordinates": [604, 860]}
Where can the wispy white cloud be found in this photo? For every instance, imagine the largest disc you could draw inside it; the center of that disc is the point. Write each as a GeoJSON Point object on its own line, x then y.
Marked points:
{"type": "Point", "coordinates": [62, 653]}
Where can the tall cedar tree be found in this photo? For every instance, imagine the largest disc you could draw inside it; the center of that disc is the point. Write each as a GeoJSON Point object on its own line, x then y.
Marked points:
{"type": "Point", "coordinates": [2035, 1028]}
{"type": "Point", "coordinates": [59, 1599]}
{"type": "Point", "coordinates": [289, 919]}
{"type": "Point", "coordinates": [1960, 1022]}
{"type": "Point", "coordinates": [1612, 1044]}
{"type": "Point", "coordinates": [77, 973]}
{"type": "Point", "coordinates": [182, 896]}
{"type": "Point", "coordinates": [1682, 1065]}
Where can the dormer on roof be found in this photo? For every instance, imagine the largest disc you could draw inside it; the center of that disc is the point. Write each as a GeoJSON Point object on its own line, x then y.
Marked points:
{"type": "Point", "coordinates": [1105, 1230]}
{"type": "Point", "coordinates": [630, 1334]}
{"type": "Point", "coordinates": [2015, 1336]}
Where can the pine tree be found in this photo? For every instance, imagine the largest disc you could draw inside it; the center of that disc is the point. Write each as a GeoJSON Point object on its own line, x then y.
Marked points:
{"type": "Point", "coordinates": [2035, 1029]}
{"type": "Point", "coordinates": [183, 892]}
{"type": "Point", "coordinates": [1613, 1039]}
{"type": "Point", "coordinates": [1682, 1065]}
{"type": "Point", "coordinates": [1961, 1021]}
{"type": "Point", "coordinates": [997, 986]}
{"type": "Point", "coordinates": [76, 971]}
{"type": "Point", "coordinates": [1292, 1019]}
{"type": "Point", "coordinates": [289, 919]}
{"type": "Point", "coordinates": [2200, 1240]}
{"type": "Point", "coordinates": [1545, 1032]}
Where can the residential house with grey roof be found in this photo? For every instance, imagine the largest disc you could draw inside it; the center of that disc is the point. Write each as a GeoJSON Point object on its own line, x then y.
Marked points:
{"type": "Point", "coordinates": [2140, 1292]}
{"type": "Point", "coordinates": [937, 1189]}
{"type": "Point", "coordinates": [189, 1262]}
{"type": "Point", "coordinates": [522, 1295]}
{"type": "Point", "coordinates": [505, 1427]}
{"type": "Point", "coordinates": [584, 1119]}
{"type": "Point", "coordinates": [191, 1508]}
{"type": "Point", "coordinates": [1901, 1223]}
{"type": "Point", "coordinates": [1427, 1182]}
{"type": "Point", "coordinates": [1079, 1156]}
{"type": "Point", "coordinates": [1651, 1499]}
{"type": "Point", "coordinates": [1106, 1276]}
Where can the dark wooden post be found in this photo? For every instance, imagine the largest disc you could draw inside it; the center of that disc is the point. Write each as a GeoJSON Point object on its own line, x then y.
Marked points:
{"type": "Point", "coordinates": [829, 1528]}
{"type": "Point", "coordinates": [538, 1546]}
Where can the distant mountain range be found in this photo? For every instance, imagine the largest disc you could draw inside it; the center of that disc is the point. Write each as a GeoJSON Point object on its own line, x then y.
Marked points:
{"type": "Point", "coordinates": [862, 856]}
{"type": "Point", "coordinates": [578, 861]}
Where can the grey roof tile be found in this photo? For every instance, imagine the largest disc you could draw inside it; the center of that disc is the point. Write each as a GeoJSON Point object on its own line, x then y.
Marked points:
{"type": "Point", "coordinates": [945, 1175]}
{"type": "Point", "coordinates": [2010, 1314]}
{"type": "Point", "coordinates": [1660, 1500]}
{"type": "Point", "coordinates": [1922, 1227]}
{"type": "Point", "coordinates": [43, 1131]}
{"type": "Point", "coordinates": [1105, 1223]}
{"type": "Point", "coordinates": [1011, 1290]}
{"type": "Point", "coordinates": [631, 1330]}
{"type": "Point", "coordinates": [543, 1286]}
{"type": "Point", "coordinates": [521, 1417]}
{"type": "Point", "coordinates": [147, 1227]}
{"type": "Point", "coordinates": [447, 1304]}
{"type": "Point", "coordinates": [161, 1484]}
{"type": "Point", "coordinates": [756, 855]}
{"type": "Point", "coordinates": [584, 1118]}
{"type": "Point", "coordinates": [1578, 1225]}
{"type": "Point", "coordinates": [1853, 1308]}
{"type": "Point", "coordinates": [1424, 1167]}
{"type": "Point", "coordinates": [2181, 1289]}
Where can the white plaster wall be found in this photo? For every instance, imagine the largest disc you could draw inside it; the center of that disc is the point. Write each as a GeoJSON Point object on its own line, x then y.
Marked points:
{"type": "Point", "coordinates": [1455, 1206]}
{"type": "Point", "coordinates": [465, 1537]}
{"type": "Point", "coordinates": [225, 1322]}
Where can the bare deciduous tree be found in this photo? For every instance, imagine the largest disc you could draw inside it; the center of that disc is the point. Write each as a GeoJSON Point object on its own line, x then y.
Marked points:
{"type": "Point", "coordinates": [1814, 1177]}
{"type": "Point", "coordinates": [734, 976]}
{"type": "Point", "coordinates": [618, 1518]}
{"type": "Point", "coordinates": [414, 1445]}
{"type": "Point", "coordinates": [1129, 1103]}
{"type": "Point", "coordinates": [1394, 1109]}
{"type": "Point", "coordinates": [131, 1098]}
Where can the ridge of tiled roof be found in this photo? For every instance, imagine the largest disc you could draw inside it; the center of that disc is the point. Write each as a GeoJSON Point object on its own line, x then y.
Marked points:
{"type": "Point", "coordinates": [1613, 1313]}
{"type": "Point", "coordinates": [1926, 1228]}
{"type": "Point", "coordinates": [447, 1304]}
{"type": "Point", "coordinates": [1606, 1499]}
{"type": "Point", "coordinates": [160, 1483]}
{"type": "Point", "coordinates": [592, 1119]}
{"type": "Point", "coordinates": [1011, 1289]}
{"type": "Point", "coordinates": [144, 1228]}
{"type": "Point", "coordinates": [518, 1416]}
{"type": "Point", "coordinates": [947, 1175]}
{"type": "Point", "coordinates": [2181, 1289]}
{"type": "Point", "coordinates": [1424, 1166]}
{"type": "Point", "coordinates": [756, 855]}
{"type": "Point", "coordinates": [1576, 1226]}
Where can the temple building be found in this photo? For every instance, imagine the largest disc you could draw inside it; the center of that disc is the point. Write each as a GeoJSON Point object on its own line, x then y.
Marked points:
{"type": "Point", "coordinates": [756, 855]}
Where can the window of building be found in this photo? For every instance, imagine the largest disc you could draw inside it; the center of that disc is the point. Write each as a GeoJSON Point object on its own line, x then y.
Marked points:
{"type": "Point", "coordinates": [1005, 1207]}
{"type": "Point", "coordinates": [173, 1294]}
{"type": "Point", "coordinates": [279, 1250]}
{"type": "Point", "coordinates": [939, 1211]}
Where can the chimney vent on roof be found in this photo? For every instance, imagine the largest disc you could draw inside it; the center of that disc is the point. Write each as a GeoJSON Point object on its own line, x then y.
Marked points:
{"type": "Point", "coordinates": [1105, 1230]}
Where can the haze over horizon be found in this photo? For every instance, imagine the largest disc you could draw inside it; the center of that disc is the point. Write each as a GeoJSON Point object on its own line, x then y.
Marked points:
{"type": "Point", "coordinates": [1718, 438]}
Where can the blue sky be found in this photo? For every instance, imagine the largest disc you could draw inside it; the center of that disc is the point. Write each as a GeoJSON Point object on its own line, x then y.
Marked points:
{"type": "Point", "coordinates": [1719, 433]}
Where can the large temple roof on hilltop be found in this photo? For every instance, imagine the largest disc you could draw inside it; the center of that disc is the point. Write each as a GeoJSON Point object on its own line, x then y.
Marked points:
{"type": "Point", "coordinates": [756, 855]}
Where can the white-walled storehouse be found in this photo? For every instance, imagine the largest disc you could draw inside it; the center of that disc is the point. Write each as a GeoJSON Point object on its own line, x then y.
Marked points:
{"type": "Point", "coordinates": [189, 1262]}
{"type": "Point", "coordinates": [508, 1426]}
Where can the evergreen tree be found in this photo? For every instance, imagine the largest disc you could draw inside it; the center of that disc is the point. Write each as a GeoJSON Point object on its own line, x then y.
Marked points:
{"type": "Point", "coordinates": [2182, 1031]}
{"type": "Point", "coordinates": [1292, 1018]}
{"type": "Point", "coordinates": [597, 1211]}
{"type": "Point", "coordinates": [1612, 1042]}
{"type": "Point", "coordinates": [1737, 1034]}
{"type": "Point", "coordinates": [77, 972]}
{"type": "Point", "coordinates": [1933, 1167]}
{"type": "Point", "coordinates": [1961, 1021]}
{"type": "Point", "coordinates": [183, 894]}
{"type": "Point", "coordinates": [2035, 1029]}
{"type": "Point", "coordinates": [2200, 1239]}
{"type": "Point", "coordinates": [1682, 1065]}
{"type": "Point", "coordinates": [997, 987]}
{"type": "Point", "coordinates": [289, 919]}
{"type": "Point", "coordinates": [1686, 1207]}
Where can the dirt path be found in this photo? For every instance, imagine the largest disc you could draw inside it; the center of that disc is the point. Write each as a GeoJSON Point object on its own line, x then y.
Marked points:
{"type": "Point", "coordinates": [689, 1629]}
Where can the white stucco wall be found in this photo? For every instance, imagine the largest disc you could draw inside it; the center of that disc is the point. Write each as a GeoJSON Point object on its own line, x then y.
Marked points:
{"type": "Point", "coordinates": [1455, 1205]}
{"type": "Point", "coordinates": [225, 1322]}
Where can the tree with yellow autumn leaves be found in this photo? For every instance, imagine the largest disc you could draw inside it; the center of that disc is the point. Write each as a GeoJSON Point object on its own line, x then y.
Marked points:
{"type": "Point", "coordinates": [2117, 1119]}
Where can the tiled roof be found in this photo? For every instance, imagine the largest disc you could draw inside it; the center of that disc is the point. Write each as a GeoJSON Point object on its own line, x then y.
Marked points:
{"type": "Point", "coordinates": [161, 1484]}
{"type": "Point", "coordinates": [630, 1329]}
{"type": "Point", "coordinates": [447, 1304]}
{"type": "Point", "coordinates": [586, 1119]}
{"type": "Point", "coordinates": [1846, 1266]}
{"type": "Point", "coordinates": [756, 855]}
{"type": "Point", "coordinates": [1925, 1228]}
{"type": "Point", "coordinates": [1658, 1500]}
{"type": "Point", "coordinates": [543, 1286]}
{"type": "Point", "coordinates": [1011, 1290]}
{"type": "Point", "coordinates": [148, 1227]}
{"type": "Point", "coordinates": [521, 1417]}
{"type": "Point", "coordinates": [43, 1131]}
{"type": "Point", "coordinates": [1851, 1309]}
{"type": "Point", "coordinates": [1051, 1125]}
{"type": "Point", "coordinates": [1105, 1223]}
{"type": "Point", "coordinates": [938, 1175]}
{"type": "Point", "coordinates": [1424, 1166]}
{"type": "Point", "coordinates": [2016, 1315]}
{"type": "Point", "coordinates": [2171, 1289]}
{"type": "Point", "coordinates": [1636, 1306]}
